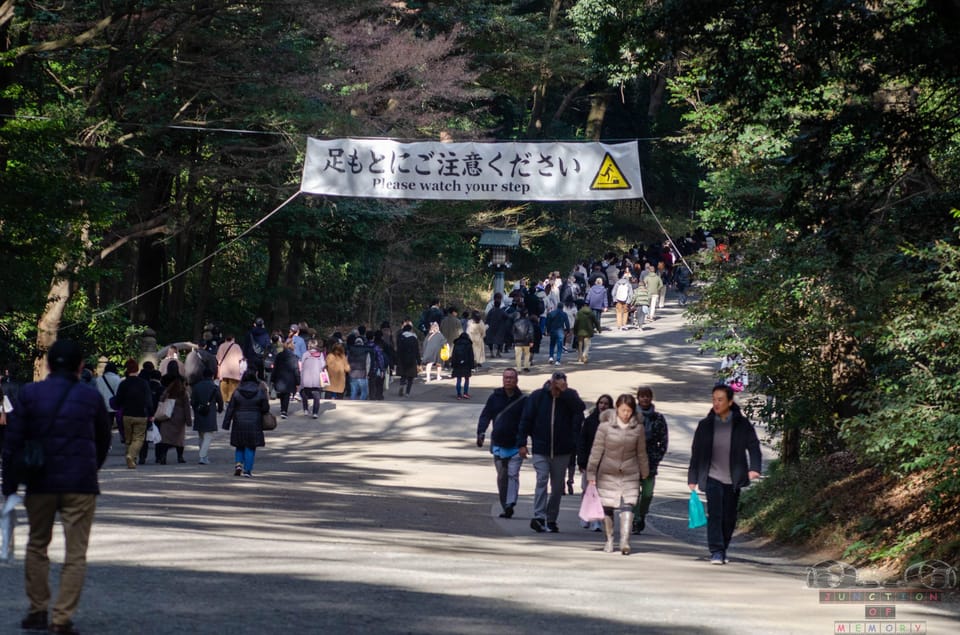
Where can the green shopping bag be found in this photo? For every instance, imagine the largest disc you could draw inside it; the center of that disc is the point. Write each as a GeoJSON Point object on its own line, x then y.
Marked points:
{"type": "Point", "coordinates": [697, 516]}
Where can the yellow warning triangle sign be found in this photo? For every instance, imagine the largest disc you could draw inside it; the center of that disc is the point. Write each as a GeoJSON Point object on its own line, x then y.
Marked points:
{"type": "Point", "coordinates": [609, 176]}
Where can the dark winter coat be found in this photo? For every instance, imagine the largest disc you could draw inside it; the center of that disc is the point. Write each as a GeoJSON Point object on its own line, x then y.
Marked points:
{"type": "Point", "coordinates": [587, 433]}
{"type": "Point", "coordinates": [743, 443]}
{"type": "Point", "coordinates": [286, 372]}
{"type": "Point", "coordinates": [557, 320]}
{"type": "Point", "coordinates": [522, 331]}
{"type": "Point", "coordinates": [244, 417]}
{"type": "Point", "coordinates": [496, 321]}
{"type": "Point", "coordinates": [655, 426]}
{"type": "Point", "coordinates": [553, 423]}
{"type": "Point", "coordinates": [74, 425]}
{"type": "Point", "coordinates": [358, 356]}
{"type": "Point", "coordinates": [135, 397]}
{"type": "Point", "coordinates": [203, 393]}
{"type": "Point", "coordinates": [408, 354]}
{"type": "Point", "coordinates": [258, 337]}
{"type": "Point", "coordinates": [506, 422]}
{"type": "Point", "coordinates": [461, 358]}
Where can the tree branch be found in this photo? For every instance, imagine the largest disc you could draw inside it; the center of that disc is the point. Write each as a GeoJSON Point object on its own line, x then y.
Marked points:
{"type": "Point", "coordinates": [152, 227]}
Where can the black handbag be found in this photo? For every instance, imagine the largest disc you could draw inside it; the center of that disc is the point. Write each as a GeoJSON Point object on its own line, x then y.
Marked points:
{"type": "Point", "coordinates": [32, 462]}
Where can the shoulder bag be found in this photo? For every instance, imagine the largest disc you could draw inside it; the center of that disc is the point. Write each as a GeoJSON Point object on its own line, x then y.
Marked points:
{"type": "Point", "coordinates": [268, 421]}
{"type": "Point", "coordinates": [32, 462]}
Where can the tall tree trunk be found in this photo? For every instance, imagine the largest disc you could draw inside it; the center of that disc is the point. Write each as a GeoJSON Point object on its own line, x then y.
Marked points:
{"type": "Point", "coordinates": [203, 290]}
{"type": "Point", "coordinates": [155, 188]}
{"type": "Point", "coordinates": [185, 240]}
{"type": "Point", "coordinates": [287, 300]}
{"type": "Point", "coordinates": [49, 322]}
{"type": "Point", "coordinates": [598, 111]}
{"type": "Point", "coordinates": [537, 124]}
{"type": "Point", "coordinates": [268, 307]}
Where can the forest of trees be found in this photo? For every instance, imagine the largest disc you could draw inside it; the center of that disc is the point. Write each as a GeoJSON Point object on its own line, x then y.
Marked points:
{"type": "Point", "coordinates": [137, 138]}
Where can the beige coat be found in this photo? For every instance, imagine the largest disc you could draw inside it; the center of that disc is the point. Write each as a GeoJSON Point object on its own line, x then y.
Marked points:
{"type": "Point", "coordinates": [230, 361]}
{"type": "Point", "coordinates": [338, 368]}
{"type": "Point", "coordinates": [618, 460]}
{"type": "Point", "coordinates": [476, 331]}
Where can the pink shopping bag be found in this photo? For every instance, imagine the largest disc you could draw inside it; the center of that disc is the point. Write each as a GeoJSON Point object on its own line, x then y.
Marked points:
{"type": "Point", "coordinates": [590, 506]}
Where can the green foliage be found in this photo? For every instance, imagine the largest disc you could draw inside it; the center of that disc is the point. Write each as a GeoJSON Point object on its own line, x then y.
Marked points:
{"type": "Point", "coordinates": [910, 417]}
{"type": "Point", "coordinates": [781, 504]}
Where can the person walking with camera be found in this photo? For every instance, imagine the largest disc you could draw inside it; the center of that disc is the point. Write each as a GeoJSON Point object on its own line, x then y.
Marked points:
{"type": "Point", "coordinates": [65, 422]}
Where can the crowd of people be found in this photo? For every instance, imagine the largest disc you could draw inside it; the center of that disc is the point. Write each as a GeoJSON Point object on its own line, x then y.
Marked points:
{"type": "Point", "coordinates": [617, 445]}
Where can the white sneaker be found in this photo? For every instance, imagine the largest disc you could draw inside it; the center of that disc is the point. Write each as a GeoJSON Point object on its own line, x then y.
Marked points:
{"type": "Point", "coordinates": [550, 360]}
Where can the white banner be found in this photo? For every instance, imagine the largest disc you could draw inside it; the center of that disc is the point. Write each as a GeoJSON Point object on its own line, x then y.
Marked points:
{"type": "Point", "coordinates": [372, 168]}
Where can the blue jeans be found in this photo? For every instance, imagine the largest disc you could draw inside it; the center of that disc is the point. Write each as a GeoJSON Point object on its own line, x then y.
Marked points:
{"type": "Point", "coordinates": [466, 385]}
{"type": "Point", "coordinates": [245, 455]}
{"type": "Point", "coordinates": [358, 389]}
{"type": "Point", "coordinates": [556, 344]}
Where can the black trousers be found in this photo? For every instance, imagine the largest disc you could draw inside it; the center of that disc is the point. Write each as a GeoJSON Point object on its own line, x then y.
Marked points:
{"type": "Point", "coordinates": [722, 502]}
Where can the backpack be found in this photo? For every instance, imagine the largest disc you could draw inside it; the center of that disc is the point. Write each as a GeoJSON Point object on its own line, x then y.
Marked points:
{"type": "Point", "coordinates": [522, 330]}
{"type": "Point", "coordinates": [255, 346]}
{"type": "Point", "coordinates": [623, 292]}
{"type": "Point", "coordinates": [270, 359]}
{"type": "Point", "coordinates": [377, 362]}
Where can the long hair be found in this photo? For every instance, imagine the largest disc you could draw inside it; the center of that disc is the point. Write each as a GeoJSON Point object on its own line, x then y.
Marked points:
{"type": "Point", "coordinates": [176, 388]}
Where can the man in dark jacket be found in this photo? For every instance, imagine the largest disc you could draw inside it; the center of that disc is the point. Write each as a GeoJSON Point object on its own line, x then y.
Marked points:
{"type": "Point", "coordinates": [255, 347]}
{"type": "Point", "coordinates": [722, 444]}
{"type": "Point", "coordinates": [504, 408]}
{"type": "Point", "coordinates": [71, 423]}
{"type": "Point", "coordinates": [135, 399]}
{"type": "Point", "coordinates": [552, 416]}
{"type": "Point", "coordinates": [522, 340]}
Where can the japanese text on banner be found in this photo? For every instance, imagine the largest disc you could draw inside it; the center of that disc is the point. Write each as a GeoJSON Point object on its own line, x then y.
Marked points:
{"type": "Point", "coordinates": [472, 171]}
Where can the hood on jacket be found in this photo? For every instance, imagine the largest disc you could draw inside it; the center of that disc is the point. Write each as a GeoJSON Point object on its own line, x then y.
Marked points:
{"type": "Point", "coordinates": [249, 389]}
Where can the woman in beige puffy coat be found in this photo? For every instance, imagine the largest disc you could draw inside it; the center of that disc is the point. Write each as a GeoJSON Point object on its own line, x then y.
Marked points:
{"type": "Point", "coordinates": [618, 462]}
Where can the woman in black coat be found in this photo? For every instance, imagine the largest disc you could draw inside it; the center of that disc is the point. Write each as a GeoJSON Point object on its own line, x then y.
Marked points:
{"type": "Point", "coordinates": [285, 377]}
{"type": "Point", "coordinates": [408, 358]}
{"type": "Point", "coordinates": [496, 327]}
{"type": "Point", "coordinates": [244, 419]}
{"type": "Point", "coordinates": [461, 359]}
